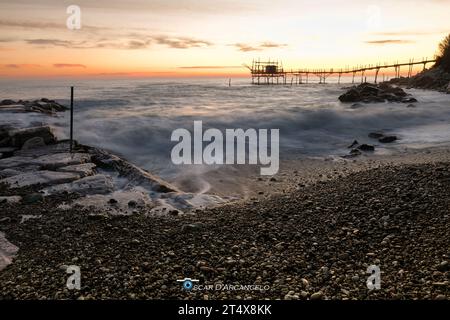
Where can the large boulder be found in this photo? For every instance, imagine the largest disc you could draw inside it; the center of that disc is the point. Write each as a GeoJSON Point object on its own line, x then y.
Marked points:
{"type": "Point", "coordinates": [7, 102]}
{"type": "Point", "coordinates": [20, 136]}
{"type": "Point", "coordinates": [370, 93]}
{"type": "Point", "coordinates": [351, 95]}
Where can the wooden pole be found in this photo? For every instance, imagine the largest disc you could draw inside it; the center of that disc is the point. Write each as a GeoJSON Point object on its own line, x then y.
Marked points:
{"type": "Point", "coordinates": [71, 119]}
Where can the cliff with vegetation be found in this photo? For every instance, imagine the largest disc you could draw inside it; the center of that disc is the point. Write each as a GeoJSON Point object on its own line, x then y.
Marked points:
{"type": "Point", "coordinates": [435, 78]}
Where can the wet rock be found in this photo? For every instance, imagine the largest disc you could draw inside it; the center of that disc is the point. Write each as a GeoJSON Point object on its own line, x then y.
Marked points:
{"type": "Point", "coordinates": [376, 135]}
{"type": "Point", "coordinates": [138, 176]}
{"type": "Point", "coordinates": [43, 177]}
{"type": "Point", "coordinates": [32, 143]}
{"type": "Point", "coordinates": [7, 152]}
{"type": "Point", "coordinates": [7, 102]}
{"type": "Point", "coordinates": [97, 184]}
{"type": "Point", "coordinates": [387, 139]}
{"type": "Point", "coordinates": [372, 93]}
{"type": "Point", "coordinates": [5, 142]}
{"type": "Point", "coordinates": [84, 169]}
{"type": "Point", "coordinates": [366, 147]}
{"type": "Point", "coordinates": [354, 144]}
{"type": "Point", "coordinates": [356, 106]}
{"type": "Point", "coordinates": [43, 105]}
{"type": "Point", "coordinates": [20, 136]}
{"type": "Point", "coordinates": [352, 95]}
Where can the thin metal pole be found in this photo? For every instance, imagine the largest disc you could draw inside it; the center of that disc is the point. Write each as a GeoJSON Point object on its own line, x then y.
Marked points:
{"type": "Point", "coordinates": [71, 119]}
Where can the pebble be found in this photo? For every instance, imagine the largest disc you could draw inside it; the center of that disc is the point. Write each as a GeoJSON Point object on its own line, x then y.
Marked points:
{"type": "Point", "coordinates": [316, 296]}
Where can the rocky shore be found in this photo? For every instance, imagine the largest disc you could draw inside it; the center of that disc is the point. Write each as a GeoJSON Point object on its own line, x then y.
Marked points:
{"type": "Point", "coordinates": [134, 235]}
{"type": "Point", "coordinates": [371, 93]}
{"type": "Point", "coordinates": [303, 245]}
{"type": "Point", "coordinates": [431, 79]}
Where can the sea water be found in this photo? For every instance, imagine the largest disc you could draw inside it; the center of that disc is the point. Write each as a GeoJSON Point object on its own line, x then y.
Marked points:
{"type": "Point", "coordinates": [135, 117]}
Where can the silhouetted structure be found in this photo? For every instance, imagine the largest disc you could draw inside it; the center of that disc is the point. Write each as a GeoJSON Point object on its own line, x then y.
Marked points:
{"type": "Point", "coordinates": [272, 72]}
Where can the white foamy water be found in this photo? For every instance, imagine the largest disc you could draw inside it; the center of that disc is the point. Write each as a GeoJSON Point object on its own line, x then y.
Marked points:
{"type": "Point", "coordinates": [135, 118]}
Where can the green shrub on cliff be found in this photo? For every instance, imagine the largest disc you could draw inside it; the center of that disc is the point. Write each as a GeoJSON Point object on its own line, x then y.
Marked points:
{"type": "Point", "coordinates": [443, 56]}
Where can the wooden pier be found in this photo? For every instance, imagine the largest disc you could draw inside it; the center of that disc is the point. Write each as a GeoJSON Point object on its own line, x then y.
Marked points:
{"type": "Point", "coordinates": [272, 72]}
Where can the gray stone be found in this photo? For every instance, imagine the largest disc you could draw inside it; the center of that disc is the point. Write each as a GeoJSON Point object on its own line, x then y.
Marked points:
{"type": "Point", "coordinates": [20, 136]}
{"type": "Point", "coordinates": [33, 143]}
{"type": "Point", "coordinates": [39, 177]}
{"type": "Point", "coordinates": [97, 184]}
{"type": "Point", "coordinates": [10, 199]}
{"type": "Point", "coordinates": [51, 161]}
{"type": "Point", "coordinates": [316, 296]}
{"type": "Point", "coordinates": [84, 170]}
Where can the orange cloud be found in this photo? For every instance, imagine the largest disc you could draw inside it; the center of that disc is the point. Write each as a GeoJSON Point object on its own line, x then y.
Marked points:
{"type": "Point", "coordinates": [389, 41]}
{"type": "Point", "coordinates": [22, 65]}
{"type": "Point", "coordinates": [69, 65]}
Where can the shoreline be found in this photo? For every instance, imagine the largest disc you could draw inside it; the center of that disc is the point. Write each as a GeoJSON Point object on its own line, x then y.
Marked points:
{"type": "Point", "coordinates": [316, 240]}
{"type": "Point", "coordinates": [310, 232]}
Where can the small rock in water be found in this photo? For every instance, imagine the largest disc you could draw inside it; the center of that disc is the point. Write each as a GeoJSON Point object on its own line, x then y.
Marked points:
{"type": "Point", "coordinates": [354, 144]}
{"type": "Point", "coordinates": [366, 147]}
{"type": "Point", "coordinates": [7, 102]}
{"type": "Point", "coordinates": [376, 135]}
{"type": "Point", "coordinates": [387, 139]}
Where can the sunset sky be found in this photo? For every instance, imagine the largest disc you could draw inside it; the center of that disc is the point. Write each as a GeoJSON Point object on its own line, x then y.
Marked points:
{"type": "Point", "coordinates": [165, 38]}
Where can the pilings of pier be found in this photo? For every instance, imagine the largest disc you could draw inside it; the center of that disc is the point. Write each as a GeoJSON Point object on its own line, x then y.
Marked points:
{"type": "Point", "coordinates": [272, 72]}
